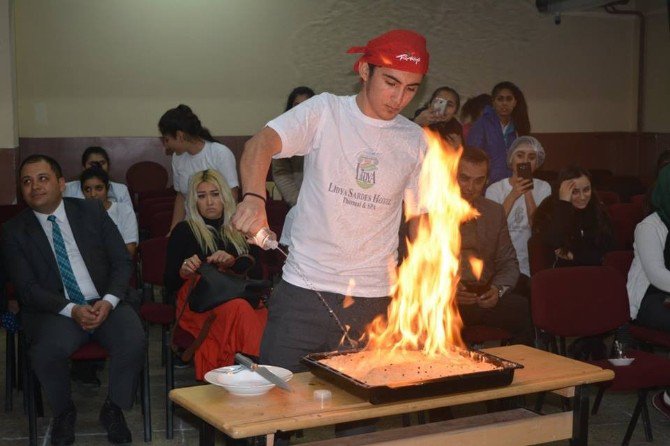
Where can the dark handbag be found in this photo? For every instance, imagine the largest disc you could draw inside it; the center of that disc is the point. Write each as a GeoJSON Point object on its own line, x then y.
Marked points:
{"type": "Point", "coordinates": [215, 288]}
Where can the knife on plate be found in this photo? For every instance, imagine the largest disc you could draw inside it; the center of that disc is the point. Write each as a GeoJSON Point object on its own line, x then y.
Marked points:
{"type": "Point", "coordinates": [265, 373]}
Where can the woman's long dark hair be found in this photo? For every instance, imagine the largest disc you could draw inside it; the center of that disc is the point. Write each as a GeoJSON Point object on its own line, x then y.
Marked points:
{"type": "Point", "coordinates": [298, 91]}
{"type": "Point", "coordinates": [474, 107]}
{"type": "Point", "coordinates": [520, 112]}
{"type": "Point", "coordinates": [182, 118]}
{"type": "Point", "coordinates": [595, 207]}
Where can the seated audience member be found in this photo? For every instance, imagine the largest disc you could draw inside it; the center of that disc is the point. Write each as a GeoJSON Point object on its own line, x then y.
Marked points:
{"type": "Point", "coordinates": [194, 150]}
{"type": "Point", "coordinates": [207, 236]}
{"type": "Point", "coordinates": [95, 185]}
{"type": "Point", "coordinates": [500, 124]}
{"type": "Point", "coordinates": [649, 275]}
{"type": "Point", "coordinates": [573, 222]}
{"type": "Point", "coordinates": [487, 238]}
{"type": "Point", "coordinates": [519, 197]}
{"type": "Point", "coordinates": [98, 157]}
{"type": "Point", "coordinates": [439, 114]}
{"type": "Point", "coordinates": [472, 110]}
{"type": "Point", "coordinates": [287, 172]}
{"type": "Point", "coordinates": [71, 270]}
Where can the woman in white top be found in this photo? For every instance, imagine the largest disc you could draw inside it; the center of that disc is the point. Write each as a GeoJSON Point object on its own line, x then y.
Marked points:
{"type": "Point", "coordinates": [649, 275]}
{"type": "Point", "coordinates": [97, 157]}
{"type": "Point", "coordinates": [520, 195]}
{"type": "Point", "coordinates": [95, 185]}
{"type": "Point", "coordinates": [193, 150]}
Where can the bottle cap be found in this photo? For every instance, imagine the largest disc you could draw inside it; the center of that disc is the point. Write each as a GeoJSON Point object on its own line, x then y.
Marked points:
{"type": "Point", "coordinates": [322, 396]}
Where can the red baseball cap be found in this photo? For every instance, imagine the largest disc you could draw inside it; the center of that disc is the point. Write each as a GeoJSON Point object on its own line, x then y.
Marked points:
{"type": "Point", "coordinates": [400, 49]}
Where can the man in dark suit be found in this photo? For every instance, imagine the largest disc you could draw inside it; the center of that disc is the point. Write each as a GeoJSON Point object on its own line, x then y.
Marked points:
{"type": "Point", "coordinates": [71, 268]}
{"type": "Point", "coordinates": [487, 238]}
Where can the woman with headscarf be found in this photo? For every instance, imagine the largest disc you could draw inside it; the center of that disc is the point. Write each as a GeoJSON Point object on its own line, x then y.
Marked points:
{"type": "Point", "coordinates": [649, 275]}
{"type": "Point", "coordinates": [520, 195]}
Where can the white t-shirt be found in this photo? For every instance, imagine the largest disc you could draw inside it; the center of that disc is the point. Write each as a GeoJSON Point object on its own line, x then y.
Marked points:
{"type": "Point", "coordinates": [357, 172]}
{"type": "Point", "coordinates": [213, 156]}
{"type": "Point", "coordinates": [517, 220]}
{"type": "Point", "coordinates": [118, 192]}
{"type": "Point", "coordinates": [124, 218]}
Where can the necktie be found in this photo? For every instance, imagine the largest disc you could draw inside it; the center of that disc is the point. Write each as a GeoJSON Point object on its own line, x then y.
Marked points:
{"type": "Point", "coordinates": [66, 274]}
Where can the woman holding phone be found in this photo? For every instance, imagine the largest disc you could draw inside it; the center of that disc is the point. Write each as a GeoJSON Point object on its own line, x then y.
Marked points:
{"type": "Point", "coordinates": [500, 124]}
{"type": "Point", "coordinates": [520, 195]}
{"type": "Point", "coordinates": [439, 114]}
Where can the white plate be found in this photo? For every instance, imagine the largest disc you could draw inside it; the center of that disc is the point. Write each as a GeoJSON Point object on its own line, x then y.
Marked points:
{"type": "Point", "coordinates": [621, 361]}
{"type": "Point", "coordinates": [245, 382]}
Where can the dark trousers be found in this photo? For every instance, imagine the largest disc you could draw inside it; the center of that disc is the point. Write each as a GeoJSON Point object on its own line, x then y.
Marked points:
{"type": "Point", "coordinates": [511, 314]}
{"type": "Point", "coordinates": [299, 324]}
{"type": "Point", "coordinates": [53, 338]}
{"type": "Point", "coordinates": [653, 313]}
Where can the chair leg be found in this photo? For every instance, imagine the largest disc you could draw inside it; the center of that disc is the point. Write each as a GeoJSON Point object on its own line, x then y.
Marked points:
{"type": "Point", "coordinates": [641, 401]}
{"type": "Point", "coordinates": [169, 385]}
{"type": "Point", "coordinates": [29, 397]}
{"type": "Point", "coordinates": [599, 398]}
{"type": "Point", "coordinates": [164, 347]}
{"type": "Point", "coordinates": [646, 421]}
{"type": "Point", "coordinates": [10, 370]}
{"type": "Point", "coordinates": [146, 397]}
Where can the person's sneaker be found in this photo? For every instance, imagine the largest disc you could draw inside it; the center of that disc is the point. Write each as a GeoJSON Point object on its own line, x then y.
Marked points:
{"type": "Point", "coordinates": [111, 418]}
{"type": "Point", "coordinates": [62, 433]}
{"type": "Point", "coordinates": [660, 402]}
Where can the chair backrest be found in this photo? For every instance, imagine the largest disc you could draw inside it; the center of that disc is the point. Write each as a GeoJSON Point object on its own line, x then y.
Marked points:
{"type": "Point", "coordinates": [579, 301]}
{"type": "Point", "coordinates": [9, 211]}
{"type": "Point", "coordinates": [638, 199]}
{"type": "Point", "coordinates": [540, 256]}
{"type": "Point", "coordinates": [625, 216]}
{"type": "Point", "coordinates": [151, 207]}
{"type": "Point", "coordinates": [160, 224]}
{"type": "Point", "coordinates": [619, 260]}
{"type": "Point", "coordinates": [607, 197]}
{"type": "Point", "coordinates": [152, 259]}
{"type": "Point", "coordinates": [625, 185]}
{"type": "Point", "coordinates": [145, 176]}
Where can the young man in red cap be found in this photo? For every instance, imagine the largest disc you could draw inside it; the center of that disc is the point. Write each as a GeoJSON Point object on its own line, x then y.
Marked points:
{"type": "Point", "coordinates": [362, 159]}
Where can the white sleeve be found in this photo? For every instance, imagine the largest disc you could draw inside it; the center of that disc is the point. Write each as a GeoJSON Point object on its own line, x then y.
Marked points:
{"type": "Point", "coordinates": [649, 247]}
{"type": "Point", "coordinates": [226, 165]}
{"type": "Point", "coordinates": [297, 128]}
{"type": "Point", "coordinates": [122, 194]}
{"type": "Point", "coordinates": [73, 190]}
{"type": "Point", "coordinates": [495, 192]}
{"type": "Point", "coordinates": [176, 178]}
{"type": "Point", "coordinates": [543, 192]}
{"type": "Point", "coordinates": [127, 224]}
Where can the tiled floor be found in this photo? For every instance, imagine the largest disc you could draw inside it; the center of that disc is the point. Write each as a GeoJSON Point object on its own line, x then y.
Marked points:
{"type": "Point", "coordinates": [606, 428]}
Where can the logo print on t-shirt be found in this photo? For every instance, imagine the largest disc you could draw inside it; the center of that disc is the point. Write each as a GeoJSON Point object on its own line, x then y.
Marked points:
{"type": "Point", "coordinates": [366, 169]}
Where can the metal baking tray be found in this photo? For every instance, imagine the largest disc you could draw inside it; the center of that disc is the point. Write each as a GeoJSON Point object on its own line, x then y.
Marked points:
{"type": "Point", "coordinates": [500, 377]}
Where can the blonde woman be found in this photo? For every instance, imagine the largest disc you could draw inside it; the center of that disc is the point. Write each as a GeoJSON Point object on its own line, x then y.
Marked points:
{"type": "Point", "coordinates": [207, 236]}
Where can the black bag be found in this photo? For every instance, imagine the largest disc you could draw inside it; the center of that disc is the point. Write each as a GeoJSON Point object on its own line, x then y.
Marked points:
{"type": "Point", "coordinates": [215, 288]}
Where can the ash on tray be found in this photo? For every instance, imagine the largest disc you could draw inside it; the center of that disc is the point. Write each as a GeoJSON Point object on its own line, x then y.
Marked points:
{"type": "Point", "coordinates": [377, 368]}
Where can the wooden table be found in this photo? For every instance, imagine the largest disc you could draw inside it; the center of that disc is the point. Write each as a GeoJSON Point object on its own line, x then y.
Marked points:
{"type": "Point", "coordinates": [241, 417]}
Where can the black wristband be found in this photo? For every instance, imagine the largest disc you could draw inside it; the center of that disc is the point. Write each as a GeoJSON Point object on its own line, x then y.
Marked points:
{"type": "Point", "coordinates": [254, 195]}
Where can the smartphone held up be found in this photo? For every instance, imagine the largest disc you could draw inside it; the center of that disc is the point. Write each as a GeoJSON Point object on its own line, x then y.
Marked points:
{"type": "Point", "coordinates": [523, 170]}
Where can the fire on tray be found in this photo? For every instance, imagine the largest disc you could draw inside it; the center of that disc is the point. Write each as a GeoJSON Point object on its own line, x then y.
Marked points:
{"type": "Point", "coordinates": [420, 338]}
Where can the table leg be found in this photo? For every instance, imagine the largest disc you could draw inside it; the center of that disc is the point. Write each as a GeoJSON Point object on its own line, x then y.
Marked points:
{"type": "Point", "coordinates": [580, 417]}
{"type": "Point", "coordinates": [270, 440]}
{"type": "Point", "coordinates": [207, 434]}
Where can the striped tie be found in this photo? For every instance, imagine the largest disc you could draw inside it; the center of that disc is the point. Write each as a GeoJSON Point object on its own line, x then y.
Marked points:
{"type": "Point", "coordinates": [66, 274]}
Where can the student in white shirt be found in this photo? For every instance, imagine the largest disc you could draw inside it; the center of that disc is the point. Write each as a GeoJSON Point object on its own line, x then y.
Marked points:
{"type": "Point", "coordinates": [521, 196]}
{"type": "Point", "coordinates": [95, 185]}
{"type": "Point", "coordinates": [193, 150]}
{"type": "Point", "coordinates": [362, 158]}
{"type": "Point", "coordinates": [95, 156]}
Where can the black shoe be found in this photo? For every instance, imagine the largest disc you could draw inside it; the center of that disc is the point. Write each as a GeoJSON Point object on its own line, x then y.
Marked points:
{"type": "Point", "coordinates": [114, 423]}
{"type": "Point", "coordinates": [62, 432]}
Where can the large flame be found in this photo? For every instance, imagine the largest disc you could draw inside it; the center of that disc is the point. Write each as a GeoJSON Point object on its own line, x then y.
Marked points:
{"type": "Point", "coordinates": [423, 314]}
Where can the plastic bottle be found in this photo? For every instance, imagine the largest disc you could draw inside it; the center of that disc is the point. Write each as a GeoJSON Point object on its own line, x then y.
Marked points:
{"type": "Point", "coordinates": [265, 239]}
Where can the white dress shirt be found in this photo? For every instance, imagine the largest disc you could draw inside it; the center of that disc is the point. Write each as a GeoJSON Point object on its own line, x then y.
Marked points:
{"type": "Point", "coordinates": [76, 260]}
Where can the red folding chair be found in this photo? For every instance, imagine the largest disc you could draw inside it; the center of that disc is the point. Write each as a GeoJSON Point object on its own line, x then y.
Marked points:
{"type": "Point", "coordinates": [540, 256]}
{"type": "Point", "coordinates": [624, 216]}
{"type": "Point", "coordinates": [590, 301]}
{"type": "Point", "coordinates": [146, 176]}
{"type": "Point", "coordinates": [160, 224]}
{"type": "Point", "coordinates": [608, 197]}
{"type": "Point", "coordinates": [621, 261]}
